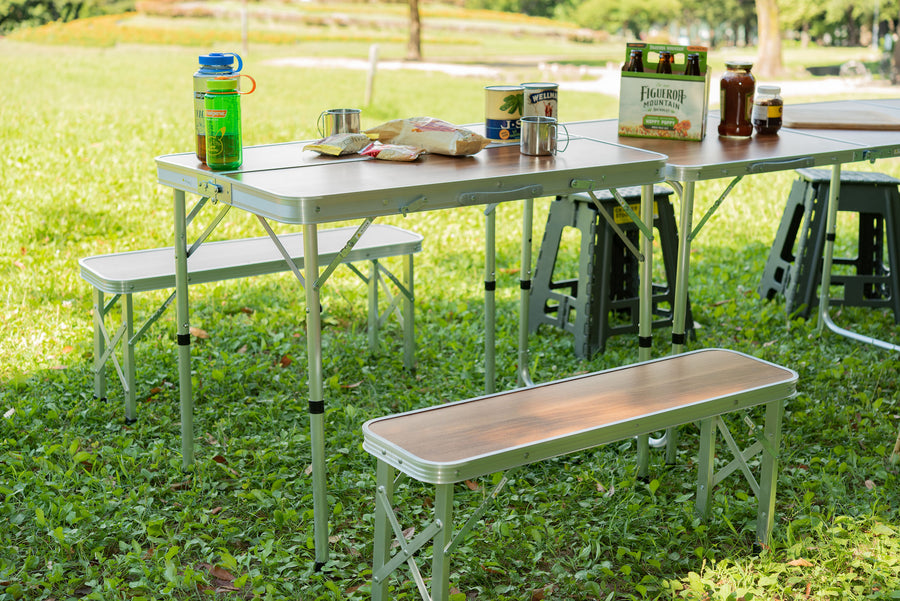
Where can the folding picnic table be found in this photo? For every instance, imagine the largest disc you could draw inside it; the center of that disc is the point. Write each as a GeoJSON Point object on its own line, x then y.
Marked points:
{"type": "Point", "coordinates": [282, 183]}
{"type": "Point", "coordinates": [717, 158]}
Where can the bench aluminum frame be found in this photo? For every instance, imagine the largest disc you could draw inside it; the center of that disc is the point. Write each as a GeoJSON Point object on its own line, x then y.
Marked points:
{"type": "Point", "coordinates": [125, 273]}
{"type": "Point", "coordinates": [451, 443]}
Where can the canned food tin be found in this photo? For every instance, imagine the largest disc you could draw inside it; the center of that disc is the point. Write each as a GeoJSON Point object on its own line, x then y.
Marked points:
{"type": "Point", "coordinates": [541, 98]}
{"type": "Point", "coordinates": [502, 111]}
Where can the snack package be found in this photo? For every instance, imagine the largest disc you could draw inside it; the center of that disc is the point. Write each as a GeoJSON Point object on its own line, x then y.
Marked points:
{"type": "Point", "coordinates": [432, 134]}
{"type": "Point", "coordinates": [392, 152]}
{"type": "Point", "coordinates": [339, 144]}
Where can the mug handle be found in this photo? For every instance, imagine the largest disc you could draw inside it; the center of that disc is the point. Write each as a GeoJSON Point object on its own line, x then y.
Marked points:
{"type": "Point", "coordinates": [320, 123]}
{"type": "Point", "coordinates": [565, 129]}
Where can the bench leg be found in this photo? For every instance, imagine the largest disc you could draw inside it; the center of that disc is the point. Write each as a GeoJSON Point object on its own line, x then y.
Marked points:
{"type": "Point", "coordinates": [440, 570]}
{"type": "Point", "coordinates": [768, 478]}
{"type": "Point", "coordinates": [384, 483]}
{"type": "Point", "coordinates": [705, 471]}
{"type": "Point", "coordinates": [409, 319]}
{"type": "Point", "coordinates": [99, 347]}
{"type": "Point", "coordinates": [373, 306]}
{"type": "Point", "coordinates": [128, 361]}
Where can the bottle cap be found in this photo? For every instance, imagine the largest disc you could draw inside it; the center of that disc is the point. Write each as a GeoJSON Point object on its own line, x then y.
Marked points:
{"type": "Point", "coordinates": [221, 59]}
{"type": "Point", "coordinates": [769, 90]}
{"type": "Point", "coordinates": [739, 64]}
{"type": "Point", "coordinates": [222, 84]}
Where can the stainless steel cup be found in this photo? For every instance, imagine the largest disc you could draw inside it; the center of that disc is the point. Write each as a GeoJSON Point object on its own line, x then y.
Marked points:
{"type": "Point", "coordinates": [540, 136]}
{"type": "Point", "coordinates": [338, 121]}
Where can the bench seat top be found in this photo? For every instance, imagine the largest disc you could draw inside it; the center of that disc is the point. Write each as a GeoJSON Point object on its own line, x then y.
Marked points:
{"type": "Point", "coordinates": [154, 269]}
{"type": "Point", "coordinates": [462, 440]}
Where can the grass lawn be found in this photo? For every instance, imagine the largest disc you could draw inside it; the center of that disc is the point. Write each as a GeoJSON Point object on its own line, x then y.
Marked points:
{"type": "Point", "coordinates": [95, 509]}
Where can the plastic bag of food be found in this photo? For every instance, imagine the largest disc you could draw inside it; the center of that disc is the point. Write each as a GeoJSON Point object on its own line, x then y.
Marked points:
{"type": "Point", "coordinates": [392, 152]}
{"type": "Point", "coordinates": [339, 144]}
{"type": "Point", "coordinates": [432, 134]}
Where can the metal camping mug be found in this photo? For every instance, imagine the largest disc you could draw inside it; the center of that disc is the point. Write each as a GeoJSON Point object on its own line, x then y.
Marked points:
{"type": "Point", "coordinates": [502, 111]}
{"type": "Point", "coordinates": [539, 136]}
{"type": "Point", "coordinates": [541, 99]}
{"type": "Point", "coordinates": [338, 121]}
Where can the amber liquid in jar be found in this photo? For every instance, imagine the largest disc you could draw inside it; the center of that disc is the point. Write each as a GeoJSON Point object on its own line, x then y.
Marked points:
{"type": "Point", "coordinates": [736, 93]}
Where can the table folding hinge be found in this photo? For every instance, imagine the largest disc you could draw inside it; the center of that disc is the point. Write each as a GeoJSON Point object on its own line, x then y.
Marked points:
{"type": "Point", "coordinates": [413, 206]}
{"type": "Point", "coordinates": [216, 191]}
{"type": "Point", "coordinates": [582, 184]}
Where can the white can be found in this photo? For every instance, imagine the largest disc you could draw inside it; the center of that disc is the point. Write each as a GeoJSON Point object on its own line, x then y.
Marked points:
{"type": "Point", "coordinates": [541, 99]}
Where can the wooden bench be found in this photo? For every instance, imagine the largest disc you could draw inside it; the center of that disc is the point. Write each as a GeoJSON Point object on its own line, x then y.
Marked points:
{"type": "Point", "coordinates": [451, 443]}
{"type": "Point", "coordinates": [123, 274]}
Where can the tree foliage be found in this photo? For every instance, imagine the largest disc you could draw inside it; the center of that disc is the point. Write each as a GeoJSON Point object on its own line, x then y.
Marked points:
{"type": "Point", "coordinates": [31, 13]}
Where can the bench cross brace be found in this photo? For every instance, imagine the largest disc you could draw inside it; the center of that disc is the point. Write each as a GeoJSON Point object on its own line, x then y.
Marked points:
{"type": "Point", "coordinates": [767, 444]}
{"type": "Point", "coordinates": [440, 529]}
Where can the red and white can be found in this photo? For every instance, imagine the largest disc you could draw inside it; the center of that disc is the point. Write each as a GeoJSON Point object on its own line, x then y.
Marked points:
{"type": "Point", "coordinates": [541, 99]}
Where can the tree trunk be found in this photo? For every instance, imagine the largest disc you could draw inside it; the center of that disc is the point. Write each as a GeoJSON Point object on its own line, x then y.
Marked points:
{"type": "Point", "coordinates": [895, 51]}
{"type": "Point", "coordinates": [414, 49]}
{"type": "Point", "coordinates": [768, 63]}
{"type": "Point", "coordinates": [853, 31]}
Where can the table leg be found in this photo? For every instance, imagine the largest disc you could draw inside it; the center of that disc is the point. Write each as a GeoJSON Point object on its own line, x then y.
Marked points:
{"type": "Point", "coordinates": [645, 311]}
{"type": "Point", "coordinates": [490, 284]}
{"type": "Point", "coordinates": [685, 226]}
{"type": "Point", "coordinates": [316, 394]}
{"type": "Point", "coordinates": [827, 262]}
{"type": "Point", "coordinates": [183, 333]}
{"type": "Point", "coordinates": [524, 377]}
{"type": "Point", "coordinates": [830, 229]}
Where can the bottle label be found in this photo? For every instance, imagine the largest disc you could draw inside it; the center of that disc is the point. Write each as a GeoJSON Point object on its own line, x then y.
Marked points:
{"type": "Point", "coordinates": [216, 113]}
{"type": "Point", "coordinates": [763, 112]}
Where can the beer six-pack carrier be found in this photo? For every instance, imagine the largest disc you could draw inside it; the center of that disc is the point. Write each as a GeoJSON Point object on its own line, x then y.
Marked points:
{"type": "Point", "coordinates": [664, 105]}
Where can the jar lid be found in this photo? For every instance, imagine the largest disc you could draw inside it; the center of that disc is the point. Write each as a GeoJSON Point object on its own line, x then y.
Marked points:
{"type": "Point", "coordinates": [222, 84]}
{"type": "Point", "coordinates": [739, 64]}
{"type": "Point", "coordinates": [770, 90]}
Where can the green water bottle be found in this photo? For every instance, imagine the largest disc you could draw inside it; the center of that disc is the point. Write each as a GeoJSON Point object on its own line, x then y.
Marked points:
{"type": "Point", "coordinates": [214, 64]}
{"type": "Point", "coordinates": [222, 111]}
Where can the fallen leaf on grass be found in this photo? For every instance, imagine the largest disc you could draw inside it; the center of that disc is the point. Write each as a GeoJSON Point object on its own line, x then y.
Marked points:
{"type": "Point", "coordinates": [800, 563]}
{"type": "Point", "coordinates": [870, 485]}
{"type": "Point", "coordinates": [354, 385]}
{"type": "Point", "coordinates": [198, 333]}
{"type": "Point", "coordinates": [218, 572]}
{"type": "Point", "coordinates": [407, 534]}
{"type": "Point", "coordinates": [472, 485]}
{"type": "Point", "coordinates": [286, 360]}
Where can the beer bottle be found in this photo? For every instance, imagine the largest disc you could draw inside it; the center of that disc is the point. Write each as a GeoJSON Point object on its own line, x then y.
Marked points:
{"type": "Point", "coordinates": [665, 62]}
{"type": "Point", "coordinates": [692, 66]}
{"type": "Point", "coordinates": [636, 61]}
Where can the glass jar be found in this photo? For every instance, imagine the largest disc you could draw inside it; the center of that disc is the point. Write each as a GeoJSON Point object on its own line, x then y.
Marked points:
{"type": "Point", "coordinates": [736, 90]}
{"type": "Point", "coordinates": [768, 109]}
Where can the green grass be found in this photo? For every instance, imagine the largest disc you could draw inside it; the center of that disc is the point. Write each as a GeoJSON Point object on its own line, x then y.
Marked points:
{"type": "Point", "coordinates": [95, 509]}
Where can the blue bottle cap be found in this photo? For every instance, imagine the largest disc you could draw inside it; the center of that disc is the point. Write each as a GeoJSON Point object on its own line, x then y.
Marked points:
{"type": "Point", "coordinates": [221, 59]}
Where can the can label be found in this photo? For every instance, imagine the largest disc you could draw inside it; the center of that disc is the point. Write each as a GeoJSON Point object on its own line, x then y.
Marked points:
{"type": "Point", "coordinates": [541, 100]}
{"type": "Point", "coordinates": [502, 111]}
